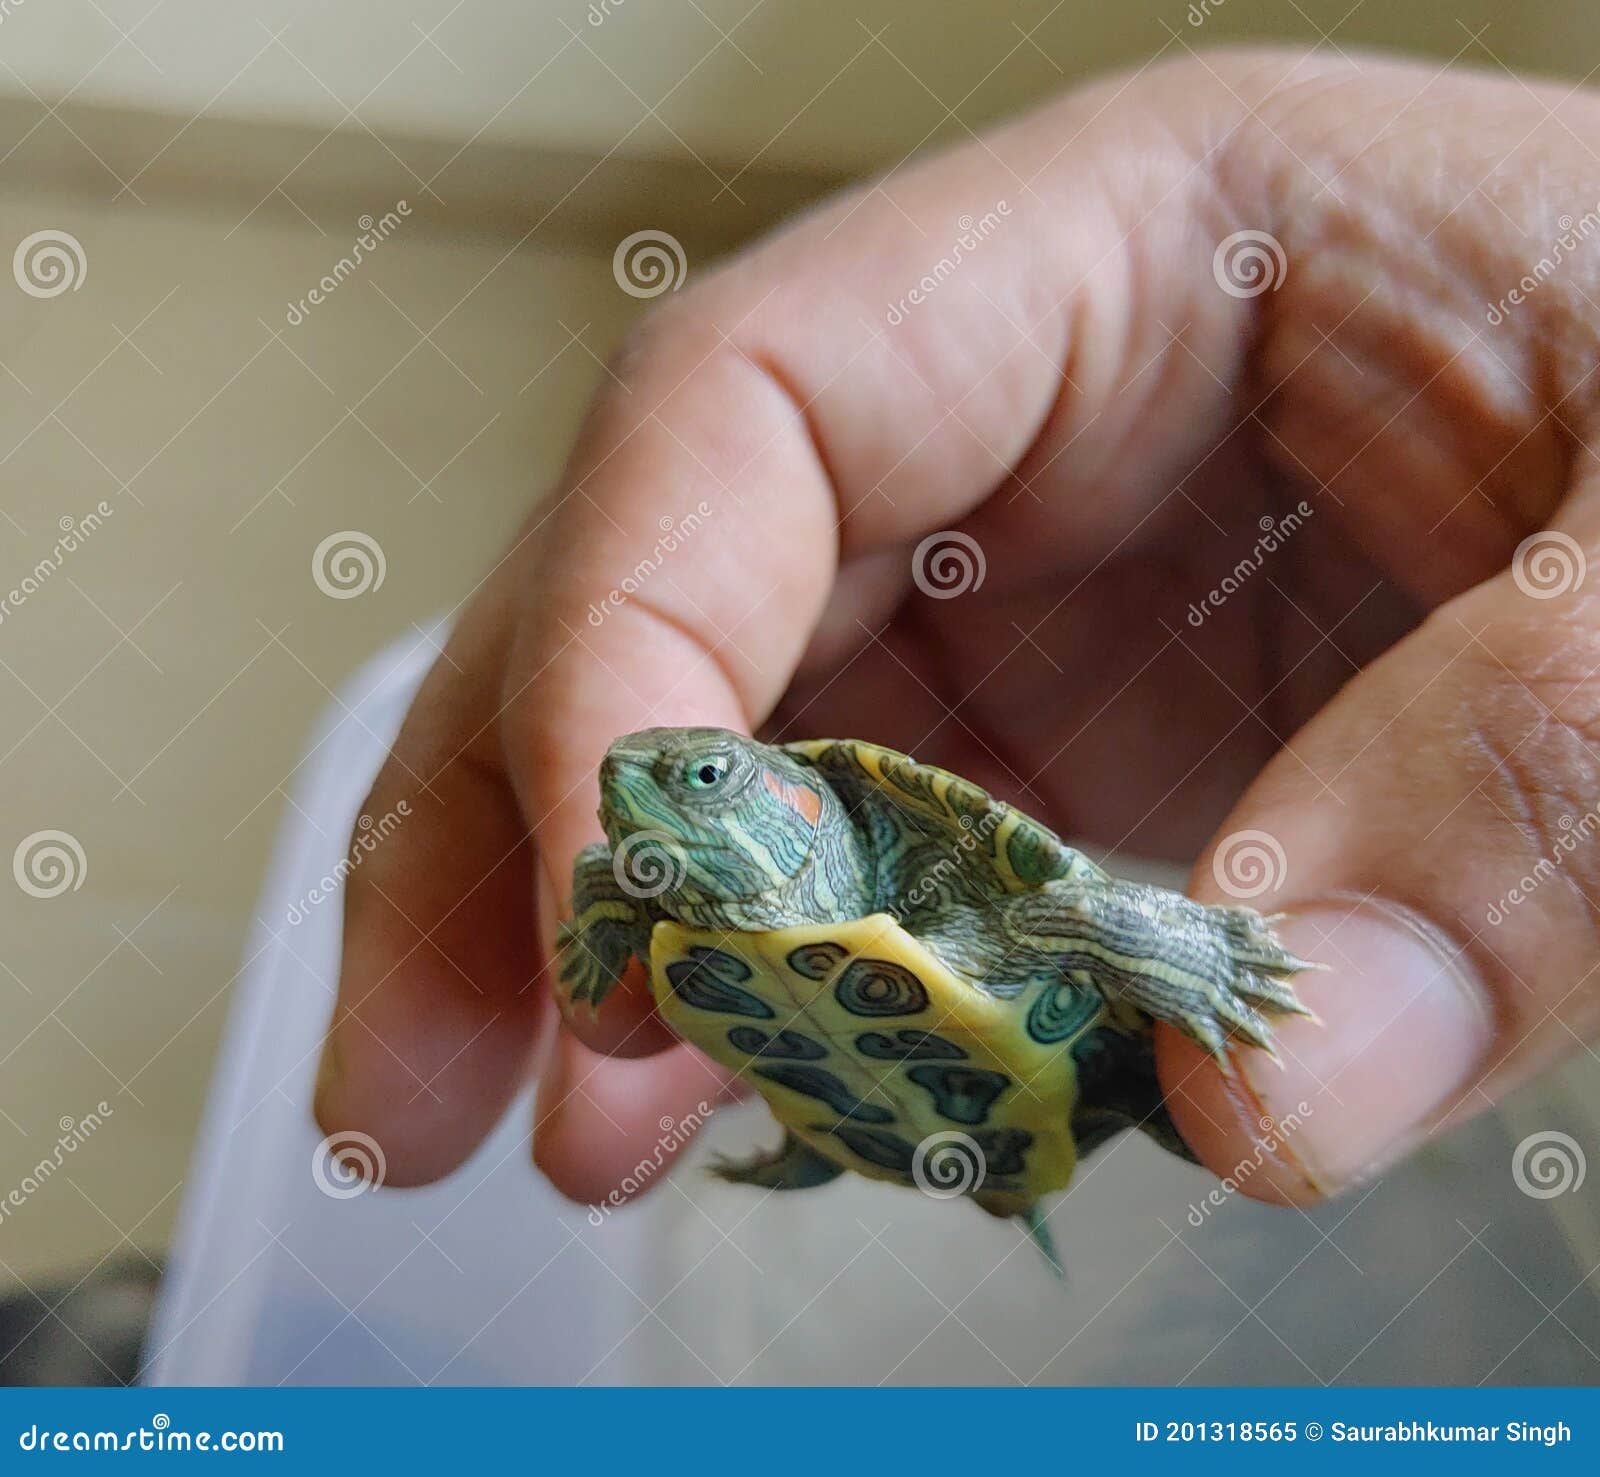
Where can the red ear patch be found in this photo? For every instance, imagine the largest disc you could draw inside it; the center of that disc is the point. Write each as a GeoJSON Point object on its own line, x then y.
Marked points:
{"type": "Point", "coordinates": [802, 800]}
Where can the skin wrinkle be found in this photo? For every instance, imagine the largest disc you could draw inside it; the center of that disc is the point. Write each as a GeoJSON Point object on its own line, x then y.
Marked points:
{"type": "Point", "coordinates": [1474, 396]}
{"type": "Point", "coordinates": [704, 649]}
{"type": "Point", "coordinates": [1524, 780]}
{"type": "Point", "coordinates": [783, 381]}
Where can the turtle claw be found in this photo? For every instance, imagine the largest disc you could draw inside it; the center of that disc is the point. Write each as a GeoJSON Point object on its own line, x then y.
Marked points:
{"type": "Point", "coordinates": [793, 1165]}
{"type": "Point", "coordinates": [1237, 1012]}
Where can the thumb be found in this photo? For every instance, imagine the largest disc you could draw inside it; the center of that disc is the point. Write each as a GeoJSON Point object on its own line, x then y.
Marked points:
{"type": "Point", "coordinates": [1433, 838]}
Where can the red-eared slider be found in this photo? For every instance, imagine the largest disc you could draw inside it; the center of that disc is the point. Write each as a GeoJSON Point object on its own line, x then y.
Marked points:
{"type": "Point", "coordinates": [926, 985]}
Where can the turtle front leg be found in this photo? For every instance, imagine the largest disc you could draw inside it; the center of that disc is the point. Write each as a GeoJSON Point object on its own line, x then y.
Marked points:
{"type": "Point", "coordinates": [1214, 973]}
{"type": "Point", "coordinates": [608, 929]}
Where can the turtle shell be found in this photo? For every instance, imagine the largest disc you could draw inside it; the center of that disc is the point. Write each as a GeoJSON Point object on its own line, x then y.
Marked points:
{"type": "Point", "coordinates": [874, 1053]}
{"type": "Point", "coordinates": [901, 799]}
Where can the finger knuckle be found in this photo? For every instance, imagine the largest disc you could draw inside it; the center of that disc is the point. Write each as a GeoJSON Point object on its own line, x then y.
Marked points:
{"type": "Point", "coordinates": [1531, 703]}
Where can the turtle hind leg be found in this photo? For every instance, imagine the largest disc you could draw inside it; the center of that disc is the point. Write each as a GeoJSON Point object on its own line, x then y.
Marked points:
{"type": "Point", "coordinates": [793, 1165]}
{"type": "Point", "coordinates": [1215, 974]}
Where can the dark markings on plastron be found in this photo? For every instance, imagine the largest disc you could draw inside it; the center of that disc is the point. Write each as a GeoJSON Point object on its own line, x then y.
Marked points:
{"type": "Point", "coordinates": [824, 1086]}
{"type": "Point", "coordinates": [790, 1045]}
{"type": "Point", "coordinates": [886, 1150]}
{"type": "Point", "coordinates": [709, 980]}
{"type": "Point", "coordinates": [816, 961]}
{"type": "Point", "coordinates": [961, 1094]}
{"type": "Point", "coordinates": [907, 1046]}
{"type": "Point", "coordinates": [1003, 1149]}
{"type": "Point", "coordinates": [874, 987]}
{"type": "Point", "coordinates": [1061, 1011]}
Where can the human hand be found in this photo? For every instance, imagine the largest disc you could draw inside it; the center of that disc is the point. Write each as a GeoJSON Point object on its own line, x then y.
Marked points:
{"type": "Point", "coordinates": [1120, 427]}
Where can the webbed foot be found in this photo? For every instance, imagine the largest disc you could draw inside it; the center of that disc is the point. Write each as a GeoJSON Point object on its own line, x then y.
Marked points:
{"type": "Point", "coordinates": [793, 1165]}
{"type": "Point", "coordinates": [609, 929]}
{"type": "Point", "coordinates": [1215, 974]}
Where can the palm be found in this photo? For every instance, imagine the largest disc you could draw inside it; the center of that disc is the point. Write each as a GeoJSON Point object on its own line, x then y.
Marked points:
{"type": "Point", "coordinates": [1090, 698]}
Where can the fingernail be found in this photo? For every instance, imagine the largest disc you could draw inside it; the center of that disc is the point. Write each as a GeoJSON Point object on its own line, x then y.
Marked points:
{"type": "Point", "coordinates": [1405, 1026]}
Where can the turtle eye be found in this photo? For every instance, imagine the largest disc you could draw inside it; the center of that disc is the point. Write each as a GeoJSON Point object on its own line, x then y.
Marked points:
{"type": "Point", "coordinates": [707, 772]}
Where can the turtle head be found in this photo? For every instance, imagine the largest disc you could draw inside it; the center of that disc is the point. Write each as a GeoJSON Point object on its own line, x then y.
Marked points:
{"type": "Point", "coordinates": [709, 816]}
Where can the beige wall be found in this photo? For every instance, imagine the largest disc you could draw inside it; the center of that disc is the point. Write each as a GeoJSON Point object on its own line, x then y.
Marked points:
{"type": "Point", "coordinates": [832, 83]}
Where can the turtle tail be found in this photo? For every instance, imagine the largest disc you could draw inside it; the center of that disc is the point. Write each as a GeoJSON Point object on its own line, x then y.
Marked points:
{"type": "Point", "coordinates": [1039, 1231]}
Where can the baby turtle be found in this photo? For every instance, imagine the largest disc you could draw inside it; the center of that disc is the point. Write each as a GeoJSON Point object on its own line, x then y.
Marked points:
{"type": "Point", "coordinates": [926, 985]}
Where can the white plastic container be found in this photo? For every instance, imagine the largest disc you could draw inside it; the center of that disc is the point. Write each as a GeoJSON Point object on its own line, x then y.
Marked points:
{"type": "Point", "coordinates": [1442, 1272]}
